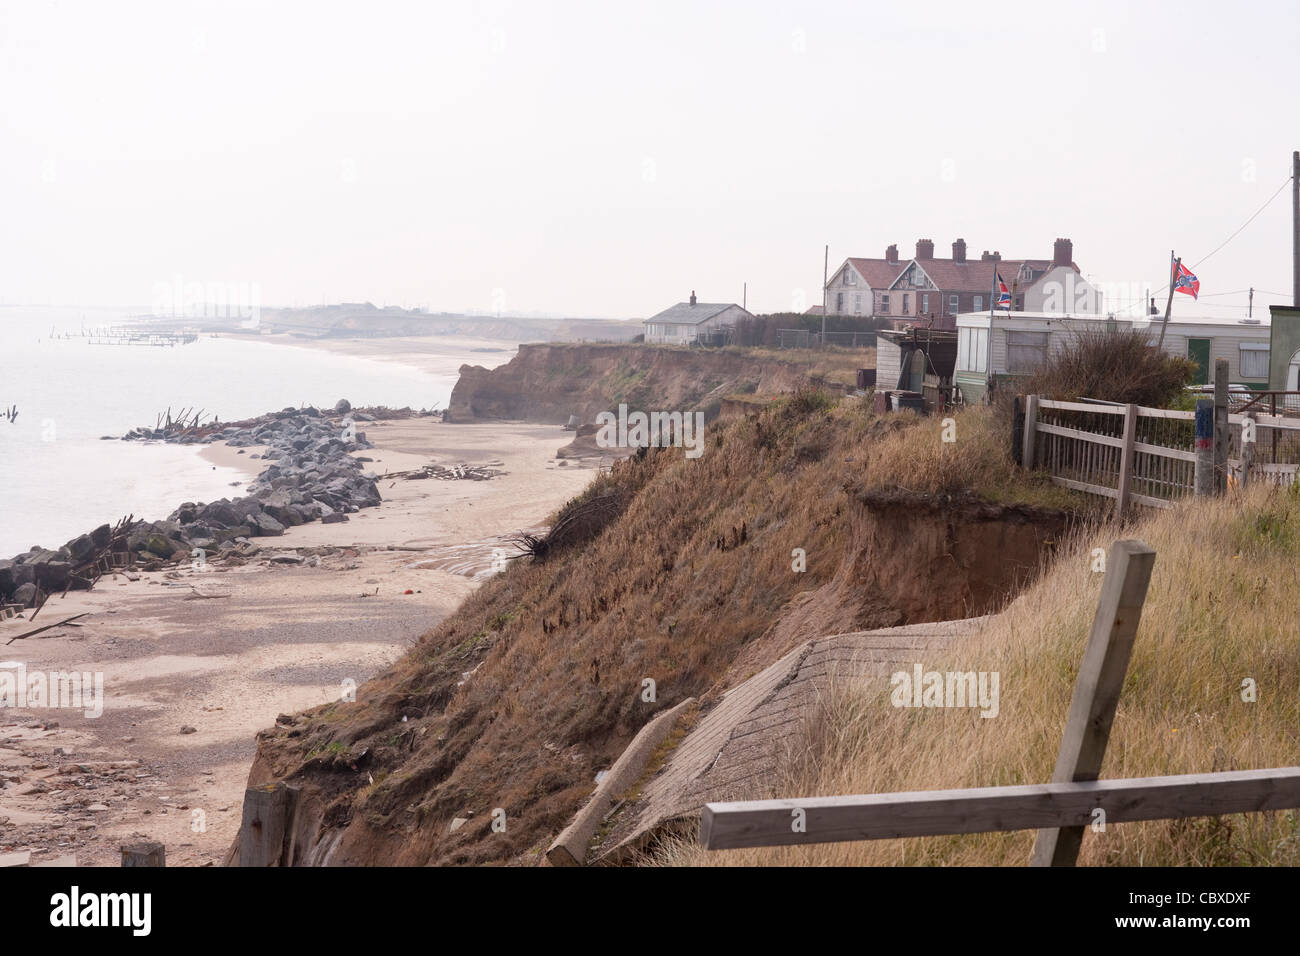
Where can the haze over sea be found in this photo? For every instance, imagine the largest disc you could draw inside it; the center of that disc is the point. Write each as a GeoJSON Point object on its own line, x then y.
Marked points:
{"type": "Point", "coordinates": [59, 479]}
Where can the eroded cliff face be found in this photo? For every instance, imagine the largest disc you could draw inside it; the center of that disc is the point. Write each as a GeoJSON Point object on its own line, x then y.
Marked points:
{"type": "Point", "coordinates": [519, 699]}
{"type": "Point", "coordinates": [548, 383]}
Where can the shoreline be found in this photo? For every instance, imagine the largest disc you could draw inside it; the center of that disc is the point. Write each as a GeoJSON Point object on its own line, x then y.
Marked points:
{"type": "Point", "coordinates": [195, 663]}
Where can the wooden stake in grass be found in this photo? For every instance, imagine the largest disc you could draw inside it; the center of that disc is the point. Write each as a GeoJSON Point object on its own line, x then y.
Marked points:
{"type": "Point", "coordinates": [1097, 690]}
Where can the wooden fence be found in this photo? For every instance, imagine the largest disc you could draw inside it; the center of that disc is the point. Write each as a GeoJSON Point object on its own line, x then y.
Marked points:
{"type": "Point", "coordinates": [1139, 455]}
{"type": "Point", "coordinates": [1058, 810]}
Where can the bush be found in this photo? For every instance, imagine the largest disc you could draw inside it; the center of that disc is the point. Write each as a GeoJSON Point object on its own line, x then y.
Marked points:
{"type": "Point", "coordinates": [1113, 365]}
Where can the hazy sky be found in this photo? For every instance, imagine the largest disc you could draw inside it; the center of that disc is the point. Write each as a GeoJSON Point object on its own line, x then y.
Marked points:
{"type": "Point", "coordinates": [606, 158]}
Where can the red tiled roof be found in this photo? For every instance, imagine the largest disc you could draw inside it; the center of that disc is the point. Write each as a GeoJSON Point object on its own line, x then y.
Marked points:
{"type": "Point", "coordinates": [878, 273]}
{"type": "Point", "coordinates": [974, 275]}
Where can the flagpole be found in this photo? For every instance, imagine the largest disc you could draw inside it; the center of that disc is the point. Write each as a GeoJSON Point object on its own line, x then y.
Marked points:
{"type": "Point", "coordinates": [1173, 280]}
{"type": "Point", "coordinates": [988, 358]}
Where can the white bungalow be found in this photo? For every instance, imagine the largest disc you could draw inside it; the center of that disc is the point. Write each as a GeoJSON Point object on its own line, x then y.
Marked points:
{"type": "Point", "coordinates": [686, 322]}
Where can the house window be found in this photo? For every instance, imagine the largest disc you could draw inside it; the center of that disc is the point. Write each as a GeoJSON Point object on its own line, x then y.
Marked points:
{"type": "Point", "coordinates": [952, 304]}
{"type": "Point", "coordinates": [906, 304]}
{"type": "Point", "coordinates": [1254, 360]}
{"type": "Point", "coordinates": [857, 303]}
{"type": "Point", "coordinates": [884, 303]}
{"type": "Point", "coordinates": [925, 302]}
{"type": "Point", "coordinates": [848, 277]}
{"type": "Point", "coordinates": [972, 350]}
{"type": "Point", "coordinates": [839, 301]}
{"type": "Point", "coordinates": [1026, 351]}
{"type": "Point", "coordinates": [978, 304]}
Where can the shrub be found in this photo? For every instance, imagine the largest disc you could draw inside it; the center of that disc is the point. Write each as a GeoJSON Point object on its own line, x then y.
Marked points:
{"type": "Point", "coordinates": [1114, 365]}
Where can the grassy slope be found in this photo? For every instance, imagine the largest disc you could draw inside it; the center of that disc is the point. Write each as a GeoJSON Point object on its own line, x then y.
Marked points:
{"type": "Point", "coordinates": [1221, 608]}
{"type": "Point", "coordinates": [698, 568]}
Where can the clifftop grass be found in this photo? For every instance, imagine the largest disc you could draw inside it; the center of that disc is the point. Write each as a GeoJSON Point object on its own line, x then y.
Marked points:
{"type": "Point", "coordinates": [1220, 611]}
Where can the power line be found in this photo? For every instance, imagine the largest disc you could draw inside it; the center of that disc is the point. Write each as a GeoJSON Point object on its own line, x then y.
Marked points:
{"type": "Point", "coordinates": [1286, 182]}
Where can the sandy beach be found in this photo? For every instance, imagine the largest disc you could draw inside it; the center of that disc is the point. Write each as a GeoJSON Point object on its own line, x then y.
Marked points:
{"type": "Point", "coordinates": [436, 354]}
{"type": "Point", "coordinates": [196, 661]}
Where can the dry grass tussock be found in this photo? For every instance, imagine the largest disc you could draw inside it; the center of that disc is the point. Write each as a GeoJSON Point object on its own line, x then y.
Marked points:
{"type": "Point", "coordinates": [1221, 608]}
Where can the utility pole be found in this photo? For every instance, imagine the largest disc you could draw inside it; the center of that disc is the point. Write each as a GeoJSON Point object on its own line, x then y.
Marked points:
{"type": "Point", "coordinates": [1295, 228]}
{"type": "Point", "coordinates": [1250, 304]}
{"type": "Point", "coordinates": [744, 296]}
{"type": "Point", "coordinates": [826, 265]}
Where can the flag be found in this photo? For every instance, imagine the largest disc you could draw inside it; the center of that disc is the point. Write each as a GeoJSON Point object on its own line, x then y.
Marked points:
{"type": "Point", "coordinates": [1004, 294]}
{"type": "Point", "coordinates": [1185, 282]}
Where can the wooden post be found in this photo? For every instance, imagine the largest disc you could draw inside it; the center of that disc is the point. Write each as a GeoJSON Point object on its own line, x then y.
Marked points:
{"type": "Point", "coordinates": [1126, 458]}
{"type": "Point", "coordinates": [268, 811]}
{"type": "Point", "coordinates": [1203, 483]}
{"type": "Point", "coordinates": [144, 854]}
{"type": "Point", "coordinates": [1248, 448]}
{"type": "Point", "coordinates": [1097, 689]}
{"type": "Point", "coordinates": [1221, 426]}
{"type": "Point", "coordinates": [1031, 427]}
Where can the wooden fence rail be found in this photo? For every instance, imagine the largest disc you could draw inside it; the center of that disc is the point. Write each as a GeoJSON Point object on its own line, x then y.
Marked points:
{"type": "Point", "coordinates": [1138, 455]}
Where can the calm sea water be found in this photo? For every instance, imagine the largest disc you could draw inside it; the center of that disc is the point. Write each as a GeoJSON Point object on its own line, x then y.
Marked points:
{"type": "Point", "coordinates": [58, 479]}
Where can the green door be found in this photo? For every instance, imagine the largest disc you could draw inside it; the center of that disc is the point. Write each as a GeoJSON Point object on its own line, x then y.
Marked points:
{"type": "Point", "coordinates": [1198, 350]}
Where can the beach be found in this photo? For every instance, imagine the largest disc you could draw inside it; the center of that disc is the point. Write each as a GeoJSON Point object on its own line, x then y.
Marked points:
{"type": "Point", "coordinates": [196, 660]}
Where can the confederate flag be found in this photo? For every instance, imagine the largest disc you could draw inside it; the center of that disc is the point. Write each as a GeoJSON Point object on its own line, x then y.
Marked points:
{"type": "Point", "coordinates": [1185, 282]}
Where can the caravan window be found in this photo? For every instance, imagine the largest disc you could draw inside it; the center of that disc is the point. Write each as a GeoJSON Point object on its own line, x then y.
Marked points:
{"type": "Point", "coordinates": [1254, 360]}
{"type": "Point", "coordinates": [1026, 351]}
{"type": "Point", "coordinates": [972, 350]}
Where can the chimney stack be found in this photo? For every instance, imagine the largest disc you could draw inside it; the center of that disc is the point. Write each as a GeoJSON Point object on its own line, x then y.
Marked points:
{"type": "Point", "coordinates": [1063, 253]}
{"type": "Point", "coordinates": [924, 249]}
{"type": "Point", "coordinates": [959, 251]}
{"type": "Point", "coordinates": [987, 256]}
{"type": "Point", "coordinates": [891, 254]}
{"type": "Point", "coordinates": [692, 297]}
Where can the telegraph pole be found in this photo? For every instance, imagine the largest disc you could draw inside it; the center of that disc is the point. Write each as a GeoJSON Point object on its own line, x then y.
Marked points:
{"type": "Point", "coordinates": [826, 264]}
{"type": "Point", "coordinates": [1295, 228]}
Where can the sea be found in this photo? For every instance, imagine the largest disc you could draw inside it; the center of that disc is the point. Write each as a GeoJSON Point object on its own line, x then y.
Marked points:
{"type": "Point", "coordinates": [59, 478]}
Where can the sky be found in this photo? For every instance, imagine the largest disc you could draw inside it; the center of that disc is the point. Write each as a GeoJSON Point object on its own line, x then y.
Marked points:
{"type": "Point", "coordinates": [606, 159]}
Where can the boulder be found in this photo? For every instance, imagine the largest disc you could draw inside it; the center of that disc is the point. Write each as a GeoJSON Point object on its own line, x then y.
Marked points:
{"type": "Point", "coordinates": [265, 525]}
{"type": "Point", "coordinates": [158, 544]}
{"type": "Point", "coordinates": [25, 595]}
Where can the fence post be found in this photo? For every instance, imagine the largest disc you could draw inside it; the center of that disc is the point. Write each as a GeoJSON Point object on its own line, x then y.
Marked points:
{"type": "Point", "coordinates": [144, 854]}
{"type": "Point", "coordinates": [1248, 448]}
{"type": "Point", "coordinates": [1097, 689]}
{"type": "Point", "coordinates": [1221, 433]}
{"type": "Point", "coordinates": [1204, 483]}
{"type": "Point", "coordinates": [1126, 457]}
{"type": "Point", "coordinates": [267, 825]}
{"type": "Point", "coordinates": [1031, 426]}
